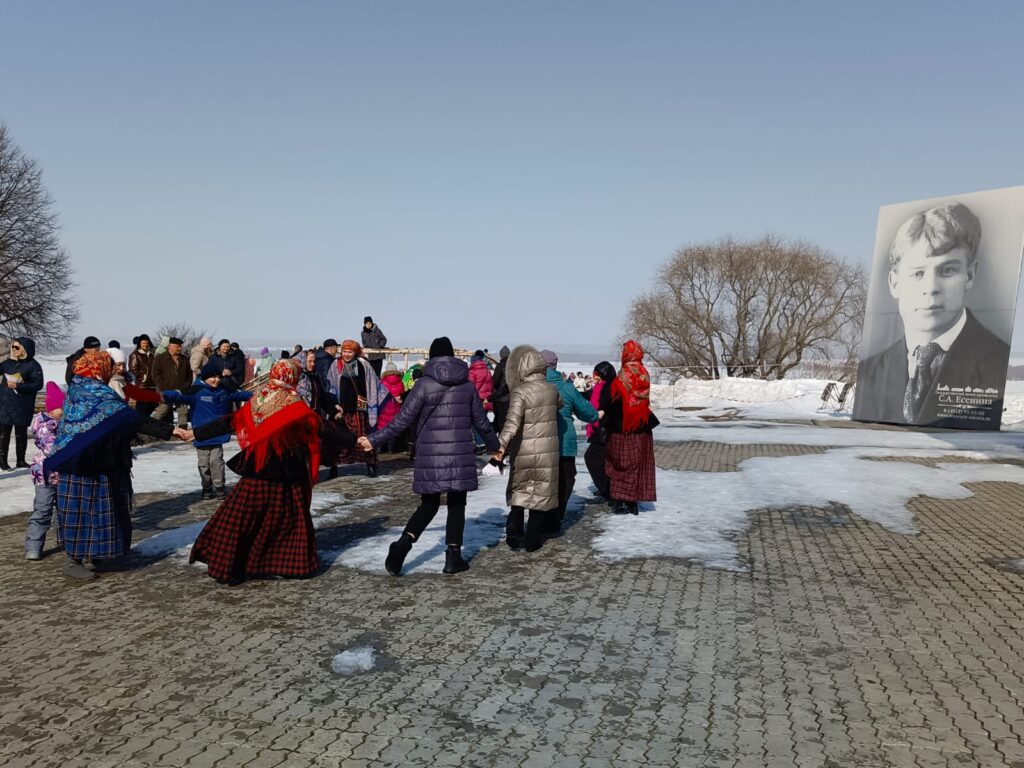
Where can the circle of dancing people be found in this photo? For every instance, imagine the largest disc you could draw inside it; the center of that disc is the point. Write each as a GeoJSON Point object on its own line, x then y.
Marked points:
{"type": "Point", "coordinates": [328, 406]}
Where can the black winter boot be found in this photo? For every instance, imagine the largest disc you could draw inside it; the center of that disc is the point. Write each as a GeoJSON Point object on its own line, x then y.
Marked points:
{"type": "Point", "coordinates": [453, 562]}
{"type": "Point", "coordinates": [514, 529]}
{"type": "Point", "coordinates": [632, 508]}
{"type": "Point", "coordinates": [396, 555]}
{"type": "Point", "coordinates": [332, 472]}
{"type": "Point", "coordinates": [20, 448]}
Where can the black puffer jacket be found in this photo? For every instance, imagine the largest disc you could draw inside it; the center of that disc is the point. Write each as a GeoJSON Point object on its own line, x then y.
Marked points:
{"type": "Point", "coordinates": [443, 408]}
{"type": "Point", "coordinates": [18, 404]}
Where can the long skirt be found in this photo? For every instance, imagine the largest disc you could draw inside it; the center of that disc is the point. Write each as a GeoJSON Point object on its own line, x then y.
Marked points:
{"type": "Point", "coordinates": [94, 515]}
{"type": "Point", "coordinates": [359, 423]}
{"type": "Point", "coordinates": [630, 467]}
{"type": "Point", "coordinates": [262, 528]}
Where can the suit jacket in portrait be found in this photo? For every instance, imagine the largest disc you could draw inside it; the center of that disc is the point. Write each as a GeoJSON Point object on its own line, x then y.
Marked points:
{"type": "Point", "coordinates": [966, 392]}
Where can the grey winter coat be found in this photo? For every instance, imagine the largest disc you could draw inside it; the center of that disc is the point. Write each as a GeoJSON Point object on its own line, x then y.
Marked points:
{"type": "Point", "coordinates": [17, 405]}
{"type": "Point", "coordinates": [443, 408]}
{"type": "Point", "coordinates": [530, 433]}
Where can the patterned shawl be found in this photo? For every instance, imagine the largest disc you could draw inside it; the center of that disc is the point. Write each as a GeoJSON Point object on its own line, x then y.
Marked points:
{"type": "Point", "coordinates": [375, 391]}
{"type": "Point", "coordinates": [278, 393]}
{"type": "Point", "coordinates": [633, 387]}
{"type": "Point", "coordinates": [94, 364]}
{"type": "Point", "coordinates": [276, 421]}
{"type": "Point", "coordinates": [92, 411]}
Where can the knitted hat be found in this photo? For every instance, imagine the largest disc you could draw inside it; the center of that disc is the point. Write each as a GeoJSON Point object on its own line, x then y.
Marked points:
{"type": "Point", "coordinates": [264, 350]}
{"type": "Point", "coordinates": [549, 357]}
{"type": "Point", "coordinates": [441, 347]}
{"type": "Point", "coordinates": [367, 319]}
{"type": "Point", "coordinates": [210, 370]}
{"type": "Point", "coordinates": [504, 352]}
{"type": "Point", "coordinates": [54, 396]}
{"type": "Point", "coordinates": [117, 355]}
{"type": "Point", "coordinates": [91, 342]}
{"type": "Point", "coordinates": [391, 367]}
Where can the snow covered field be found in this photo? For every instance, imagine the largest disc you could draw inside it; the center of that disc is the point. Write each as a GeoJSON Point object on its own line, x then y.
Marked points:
{"type": "Point", "coordinates": [698, 514]}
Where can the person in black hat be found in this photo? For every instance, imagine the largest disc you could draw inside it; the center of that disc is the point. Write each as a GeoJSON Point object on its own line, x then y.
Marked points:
{"type": "Point", "coordinates": [113, 344]}
{"type": "Point", "coordinates": [90, 343]}
{"type": "Point", "coordinates": [373, 338]}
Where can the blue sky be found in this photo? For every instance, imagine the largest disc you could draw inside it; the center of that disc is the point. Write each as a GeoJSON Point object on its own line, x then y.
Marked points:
{"type": "Point", "coordinates": [499, 173]}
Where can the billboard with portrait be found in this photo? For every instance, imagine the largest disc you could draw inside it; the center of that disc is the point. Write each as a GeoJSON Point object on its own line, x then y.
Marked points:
{"type": "Point", "coordinates": [940, 311]}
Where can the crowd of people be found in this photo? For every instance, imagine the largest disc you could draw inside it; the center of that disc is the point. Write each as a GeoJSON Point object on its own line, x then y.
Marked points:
{"type": "Point", "coordinates": [324, 406]}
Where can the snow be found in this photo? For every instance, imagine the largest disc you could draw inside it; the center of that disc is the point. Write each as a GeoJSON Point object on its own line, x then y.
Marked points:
{"type": "Point", "coordinates": [749, 398]}
{"type": "Point", "coordinates": [353, 661]}
{"type": "Point", "coordinates": [485, 526]}
{"type": "Point", "coordinates": [699, 514]}
{"type": "Point", "coordinates": [174, 541]}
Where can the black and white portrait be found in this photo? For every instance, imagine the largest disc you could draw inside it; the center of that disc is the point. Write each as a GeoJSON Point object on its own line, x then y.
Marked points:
{"type": "Point", "coordinates": [940, 311]}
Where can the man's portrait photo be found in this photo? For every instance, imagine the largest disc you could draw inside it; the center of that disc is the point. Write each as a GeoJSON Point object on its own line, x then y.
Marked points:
{"type": "Point", "coordinates": [940, 312]}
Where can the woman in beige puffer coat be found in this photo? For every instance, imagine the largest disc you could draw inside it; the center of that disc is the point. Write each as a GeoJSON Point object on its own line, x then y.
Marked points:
{"type": "Point", "coordinates": [530, 438]}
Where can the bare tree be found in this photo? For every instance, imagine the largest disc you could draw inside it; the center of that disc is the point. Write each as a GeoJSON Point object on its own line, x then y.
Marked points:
{"type": "Point", "coordinates": [36, 285]}
{"type": "Point", "coordinates": [189, 335]}
{"type": "Point", "coordinates": [756, 308]}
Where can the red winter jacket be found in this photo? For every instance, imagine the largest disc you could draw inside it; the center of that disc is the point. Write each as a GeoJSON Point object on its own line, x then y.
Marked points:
{"type": "Point", "coordinates": [480, 375]}
{"type": "Point", "coordinates": [388, 411]}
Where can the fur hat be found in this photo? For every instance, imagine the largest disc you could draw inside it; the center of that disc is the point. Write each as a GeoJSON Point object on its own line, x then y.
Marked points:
{"type": "Point", "coordinates": [441, 347]}
{"type": "Point", "coordinates": [54, 396]}
{"type": "Point", "coordinates": [117, 355]}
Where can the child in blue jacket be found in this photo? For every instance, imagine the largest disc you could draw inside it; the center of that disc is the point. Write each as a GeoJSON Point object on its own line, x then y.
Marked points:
{"type": "Point", "coordinates": [208, 403]}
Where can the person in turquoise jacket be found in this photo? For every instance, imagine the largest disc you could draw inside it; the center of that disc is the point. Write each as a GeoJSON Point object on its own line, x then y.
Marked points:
{"type": "Point", "coordinates": [573, 404]}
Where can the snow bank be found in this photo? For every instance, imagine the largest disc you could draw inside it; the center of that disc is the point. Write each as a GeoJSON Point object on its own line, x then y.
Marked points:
{"type": "Point", "coordinates": [750, 398]}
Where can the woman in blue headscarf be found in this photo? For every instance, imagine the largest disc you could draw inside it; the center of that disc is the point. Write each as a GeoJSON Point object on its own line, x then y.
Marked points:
{"type": "Point", "coordinates": [93, 454]}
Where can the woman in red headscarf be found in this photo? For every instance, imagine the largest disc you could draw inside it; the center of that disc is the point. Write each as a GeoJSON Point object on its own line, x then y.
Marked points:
{"type": "Point", "coordinates": [630, 422]}
{"type": "Point", "coordinates": [263, 527]}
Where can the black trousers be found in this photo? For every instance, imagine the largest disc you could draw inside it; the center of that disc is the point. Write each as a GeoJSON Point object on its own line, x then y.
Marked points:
{"type": "Point", "coordinates": [378, 366]}
{"type": "Point", "coordinates": [429, 504]}
{"type": "Point", "coordinates": [566, 482]}
{"type": "Point", "coordinates": [20, 442]}
{"type": "Point", "coordinates": [500, 414]}
{"type": "Point", "coordinates": [538, 525]}
{"type": "Point", "coordinates": [594, 457]}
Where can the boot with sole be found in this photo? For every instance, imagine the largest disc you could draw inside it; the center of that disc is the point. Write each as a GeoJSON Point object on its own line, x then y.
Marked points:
{"type": "Point", "coordinates": [396, 555]}
{"type": "Point", "coordinates": [453, 562]}
{"type": "Point", "coordinates": [75, 570]}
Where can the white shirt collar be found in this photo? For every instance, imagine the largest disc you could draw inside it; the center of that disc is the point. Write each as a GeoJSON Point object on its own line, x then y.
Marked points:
{"type": "Point", "coordinates": [945, 341]}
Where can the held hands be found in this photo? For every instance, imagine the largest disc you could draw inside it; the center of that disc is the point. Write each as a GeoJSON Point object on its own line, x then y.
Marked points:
{"type": "Point", "coordinates": [185, 435]}
{"type": "Point", "coordinates": [364, 443]}
{"type": "Point", "coordinates": [499, 455]}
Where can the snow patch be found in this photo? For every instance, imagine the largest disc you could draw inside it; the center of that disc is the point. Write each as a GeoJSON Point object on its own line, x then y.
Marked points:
{"type": "Point", "coordinates": [699, 514]}
{"type": "Point", "coordinates": [353, 661]}
{"type": "Point", "coordinates": [172, 541]}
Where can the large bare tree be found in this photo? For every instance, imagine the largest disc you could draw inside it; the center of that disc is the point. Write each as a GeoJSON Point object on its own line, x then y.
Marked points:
{"type": "Point", "coordinates": [189, 334]}
{"type": "Point", "coordinates": [36, 279]}
{"type": "Point", "coordinates": [755, 308]}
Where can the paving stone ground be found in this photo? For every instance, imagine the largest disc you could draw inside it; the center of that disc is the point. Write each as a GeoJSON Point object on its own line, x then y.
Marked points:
{"type": "Point", "coordinates": [842, 645]}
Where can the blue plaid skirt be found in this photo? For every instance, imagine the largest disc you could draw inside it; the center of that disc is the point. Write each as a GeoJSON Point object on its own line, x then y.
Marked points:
{"type": "Point", "coordinates": [94, 515]}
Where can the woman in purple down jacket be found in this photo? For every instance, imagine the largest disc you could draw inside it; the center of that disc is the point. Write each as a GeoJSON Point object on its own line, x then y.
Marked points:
{"type": "Point", "coordinates": [443, 409]}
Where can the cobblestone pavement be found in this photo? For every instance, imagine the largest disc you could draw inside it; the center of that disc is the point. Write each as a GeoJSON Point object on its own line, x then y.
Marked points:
{"type": "Point", "coordinates": [842, 645]}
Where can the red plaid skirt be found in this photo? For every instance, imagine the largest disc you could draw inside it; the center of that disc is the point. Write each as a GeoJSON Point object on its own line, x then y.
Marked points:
{"type": "Point", "coordinates": [630, 467]}
{"type": "Point", "coordinates": [261, 529]}
{"type": "Point", "coordinates": [359, 424]}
